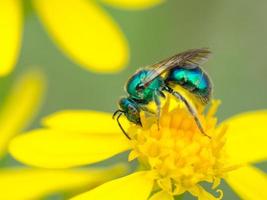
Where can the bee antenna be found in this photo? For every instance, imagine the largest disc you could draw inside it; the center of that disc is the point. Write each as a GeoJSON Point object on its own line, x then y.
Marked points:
{"type": "Point", "coordinates": [116, 112]}
{"type": "Point", "coordinates": [124, 132]}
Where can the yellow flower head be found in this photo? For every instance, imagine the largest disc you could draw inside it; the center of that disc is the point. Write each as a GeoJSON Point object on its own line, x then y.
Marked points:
{"type": "Point", "coordinates": [175, 156]}
{"type": "Point", "coordinates": [180, 156]}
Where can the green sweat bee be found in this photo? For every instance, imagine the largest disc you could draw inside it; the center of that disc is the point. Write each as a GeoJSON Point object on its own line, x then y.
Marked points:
{"type": "Point", "coordinates": [148, 84]}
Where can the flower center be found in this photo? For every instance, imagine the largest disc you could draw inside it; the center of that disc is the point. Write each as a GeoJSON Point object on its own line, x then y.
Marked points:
{"type": "Point", "coordinates": [177, 152]}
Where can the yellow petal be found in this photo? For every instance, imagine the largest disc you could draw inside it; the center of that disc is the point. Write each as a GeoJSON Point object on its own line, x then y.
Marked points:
{"type": "Point", "coordinates": [246, 137]}
{"type": "Point", "coordinates": [10, 34]}
{"type": "Point", "coordinates": [202, 194]}
{"type": "Point", "coordinates": [18, 184]}
{"type": "Point", "coordinates": [59, 149]}
{"type": "Point", "coordinates": [133, 4]}
{"type": "Point", "coordinates": [248, 182]}
{"type": "Point", "coordinates": [161, 196]}
{"type": "Point", "coordinates": [136, 186]}
{"type": "Point", "coordinates": [20, 106]}
{"type": "Point", "coordinates": [83, 121]}
{"type": "Point", "coordinates": [85, 33]}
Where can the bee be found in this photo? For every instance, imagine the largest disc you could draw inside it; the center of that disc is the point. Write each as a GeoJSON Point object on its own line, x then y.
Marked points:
{"type": "Point", "coordinates": [148, 84]}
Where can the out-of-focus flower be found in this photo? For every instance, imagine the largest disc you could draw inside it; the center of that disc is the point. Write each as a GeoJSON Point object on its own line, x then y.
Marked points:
{"type": "Point", "coordinates": [81, 29]}
{"type": "Point", "coordinates": [20, 107]}
{"type": "Point", "coordinates": [20, 183]}
{"type": "Point", "coordinates": [175, 158]}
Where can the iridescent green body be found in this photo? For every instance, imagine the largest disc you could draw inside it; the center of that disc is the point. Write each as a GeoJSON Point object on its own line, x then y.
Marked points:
{"type": "Point", "coordinates": [194, 80]}
{"type": "Point", "coordinates": [149, 84]}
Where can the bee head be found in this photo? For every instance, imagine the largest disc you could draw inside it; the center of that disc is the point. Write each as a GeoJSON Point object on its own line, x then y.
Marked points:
{"type": "Point", "coordinates": [130, 109]}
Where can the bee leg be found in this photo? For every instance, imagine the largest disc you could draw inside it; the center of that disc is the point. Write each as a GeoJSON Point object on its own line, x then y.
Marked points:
{"type": "Point", "coordinates": [162, 94]}
{"type": "Point", "coordinates": [190, 108]}
{"type": "Point", "coordinates": [158, 104]}
{"type": "Point", "coordinates": [118, 121]}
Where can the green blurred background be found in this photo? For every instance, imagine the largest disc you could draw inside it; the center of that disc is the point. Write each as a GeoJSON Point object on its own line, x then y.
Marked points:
{"type": "Point", "coordinates": [234, 30]}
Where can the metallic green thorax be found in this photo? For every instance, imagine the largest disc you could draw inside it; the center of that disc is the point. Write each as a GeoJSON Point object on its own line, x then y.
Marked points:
{"type": "Point", "coordinates": [146, 94]}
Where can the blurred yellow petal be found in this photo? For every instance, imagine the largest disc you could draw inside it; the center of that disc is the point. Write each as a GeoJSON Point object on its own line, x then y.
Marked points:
{"type": "Point", "coordinates": [246, 137]}
{"type": "Point", "coordinates": [18, 184]}
{"type": "Point", "coordinates": [59, 149]}
{"type": "Point", "coordinates": [133, 4]}
{"type": "Point", "coordinates": [85, 33]}
{"type": "Point", "coordinates": [10, 34]}
{"type": "Point", "coordinates": [83, 121]}
{"type": "Point", "coordinates": [20, 106]}
{"type": "Point", "coordinates": [131, 187]}
{"type": "Point", "coordinates": [162, 195]}
{"type": "Point", "coordinates": [248, 182]}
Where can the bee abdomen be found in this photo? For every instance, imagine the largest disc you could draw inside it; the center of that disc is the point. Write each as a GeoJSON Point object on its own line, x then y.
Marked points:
{"type": "Point", "coordinates": [196, 81]}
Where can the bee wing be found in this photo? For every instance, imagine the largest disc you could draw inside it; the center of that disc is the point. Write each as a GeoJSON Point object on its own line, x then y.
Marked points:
{"type": "Point", "coordinates": [189, 59]}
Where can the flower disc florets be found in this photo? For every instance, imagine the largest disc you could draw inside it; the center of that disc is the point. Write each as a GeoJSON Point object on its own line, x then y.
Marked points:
{"type": "Point", "coordinates": [179, 155]}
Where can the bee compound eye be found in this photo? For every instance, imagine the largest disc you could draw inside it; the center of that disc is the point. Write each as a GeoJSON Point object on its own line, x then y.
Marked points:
{"type": "Point", "coordinates": [131, 108]}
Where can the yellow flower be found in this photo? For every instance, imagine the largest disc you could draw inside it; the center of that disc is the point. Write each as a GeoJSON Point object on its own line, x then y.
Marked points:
{"type": "Point", "coordinates": [81, 29]}
{"type": "Point", "coordinates": [20, 183]}
{"type": "Point", "coordinates": [175, 158]}
{"type": "Point", "coordinates": [20, 107]}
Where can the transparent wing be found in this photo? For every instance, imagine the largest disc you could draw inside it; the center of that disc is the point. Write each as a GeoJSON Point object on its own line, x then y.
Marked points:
{"type": "Point", "coordinates": [189, 59]}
